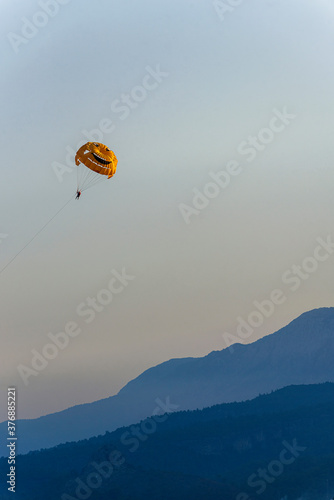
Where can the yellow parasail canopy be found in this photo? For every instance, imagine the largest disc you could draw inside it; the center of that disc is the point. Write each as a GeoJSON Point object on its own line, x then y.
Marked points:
{"type": "Point", "coordinates": [99, 159]}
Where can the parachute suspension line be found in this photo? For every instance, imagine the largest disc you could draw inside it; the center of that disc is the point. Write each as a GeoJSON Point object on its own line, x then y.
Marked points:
{"type": "Point", "coordinates": [87, 178]}
{"type": "Point", "coordinates": [91, 179]}
{"type": "Point", "coordinates": [91, 184]}
{"type": "Point", "coordinates": [81, 176]}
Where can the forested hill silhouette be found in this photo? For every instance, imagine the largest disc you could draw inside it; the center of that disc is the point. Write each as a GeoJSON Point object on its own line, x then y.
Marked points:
{"type": "Point", "coordinates": [278, 445]}
{"type": "Point", "coordinates": [300, 353]}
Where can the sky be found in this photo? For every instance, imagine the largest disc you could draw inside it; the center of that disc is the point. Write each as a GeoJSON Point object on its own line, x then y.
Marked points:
{"type": "Point", "coordinates": [221, 210]}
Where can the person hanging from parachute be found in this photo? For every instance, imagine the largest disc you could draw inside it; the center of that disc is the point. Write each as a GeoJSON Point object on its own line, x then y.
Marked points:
{"type": "Point", "coordinates": [94, 161]}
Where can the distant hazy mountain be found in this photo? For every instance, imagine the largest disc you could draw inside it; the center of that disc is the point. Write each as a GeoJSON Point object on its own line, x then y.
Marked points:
{"type": "Point", "coordinates": [300, 353]}
{"type": "Point", "coordinates": [278, 446]}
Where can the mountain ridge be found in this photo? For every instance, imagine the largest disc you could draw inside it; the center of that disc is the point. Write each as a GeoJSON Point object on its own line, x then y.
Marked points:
{"type": "Point", "coordinates": [299, 353]}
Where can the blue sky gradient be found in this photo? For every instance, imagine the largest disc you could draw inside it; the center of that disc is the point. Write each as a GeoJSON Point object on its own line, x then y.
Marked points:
{"type": "Point", "coordinates": [221, 84]}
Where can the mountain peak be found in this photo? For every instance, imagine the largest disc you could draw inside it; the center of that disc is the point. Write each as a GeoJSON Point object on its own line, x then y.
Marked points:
{"type": "Point", "coordinates": [300, 353]}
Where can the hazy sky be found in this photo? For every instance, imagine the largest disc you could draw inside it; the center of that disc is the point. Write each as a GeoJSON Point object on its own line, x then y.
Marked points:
{"type": "Point", "coordinates": [246, 90]}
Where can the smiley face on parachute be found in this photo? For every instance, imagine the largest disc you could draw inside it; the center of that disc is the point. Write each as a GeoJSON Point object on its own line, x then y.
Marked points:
{"type": "Point", "coordinates": [97, 157]}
